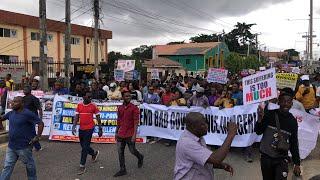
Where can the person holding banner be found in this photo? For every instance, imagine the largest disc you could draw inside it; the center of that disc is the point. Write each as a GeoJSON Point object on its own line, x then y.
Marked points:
{"type": "Point", "coordinates": [193, 159]}
{"type": "Point", "coordinates": [21, 138]}
{"type": "Point", "coordinates": [84, 112]}
{"type": "Point", "coordinates": [126, 132]}
{"type": "Point", "coordinates": [199, 99]}
{"type": "Point", "coordinates": [280, 134]}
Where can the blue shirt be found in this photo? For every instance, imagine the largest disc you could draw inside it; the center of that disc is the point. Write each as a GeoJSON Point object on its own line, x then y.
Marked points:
{"type": "Point", "coordinates": [21, 128]}
{"type": "Point", "coordinates": [238, 96]}
{"type": "Point", "coordinates": [61, 91]}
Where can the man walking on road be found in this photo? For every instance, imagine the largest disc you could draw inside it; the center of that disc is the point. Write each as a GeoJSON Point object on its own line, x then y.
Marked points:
{"type": "Point", "coordinates": [33, 104]}
{"type": "Point", "coordinates": [85, 112]}
{"type": "Point", "coordinates": [21, 139]}
{"type": "Point", "coordinates": [128, 120]}
{"type": "Point", "coordinates": [193, 159]}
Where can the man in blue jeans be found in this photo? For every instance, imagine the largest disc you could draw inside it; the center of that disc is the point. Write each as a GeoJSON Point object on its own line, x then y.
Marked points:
{"type": "Point", "coordinates": [21, 139]}
{"type": "Point", "coordinates": [84, 112]}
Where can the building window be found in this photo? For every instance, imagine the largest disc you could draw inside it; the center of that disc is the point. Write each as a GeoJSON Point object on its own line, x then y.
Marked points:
{"type": "Point", "coordinates": [35, 36]}
{"type": "Point", "coordinates": [188, 61]}
{"type": "Point", "coordinates": [50, 37]}
{"type": "Point", "coordinates": [75, 41]}
{"type": "Point", "coordinates": [4, 59]}
{"type": "Point", "coordinates": [88, 41]}
{"type": "Point", "coordinates": [207, 62]}
{"type": "Point", "coordinates": [4, 32]}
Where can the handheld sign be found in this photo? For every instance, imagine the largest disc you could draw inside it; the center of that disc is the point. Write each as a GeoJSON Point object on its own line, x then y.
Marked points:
{"type": "Point", "coordinates": [119, 75]}
{"type": "Point", "coordinates": [286, 80]}
{"type": "Point", "coordinates": [217, 75]}
{"type": "Point", "coordinates": [155, 74]}
{"type": "Point", "coordinates": [259, 87]}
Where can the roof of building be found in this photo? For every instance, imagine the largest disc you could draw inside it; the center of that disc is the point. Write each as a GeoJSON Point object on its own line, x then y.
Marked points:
{"type": "Point", "coordinates": [185, 49]}
{"type": "Point", "coordinates": [161, 62]}
{"type": "Point", "coordinates": [273, 54]}
{"type": "Point", "coordinates": [12, 18]}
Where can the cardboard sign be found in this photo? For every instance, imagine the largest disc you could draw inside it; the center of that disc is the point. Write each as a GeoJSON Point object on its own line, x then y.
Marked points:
{"type": "Point", "coordinates": [286, 80]}
{"type": "Point", "coordinates": [259, 87]}
{"type": "Point", "coordinates": [119, 75]}
{"type": "Point", "coordinates": [126, 65]}
{"type": "Point", "coordinates": [155, 74]}
{"type": "Point", "coordinates": [217, 75]}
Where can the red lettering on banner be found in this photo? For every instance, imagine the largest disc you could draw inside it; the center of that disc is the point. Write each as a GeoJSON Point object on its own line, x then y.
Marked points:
{"type": "Point", "coordinates": [268, 92]}
{"type": "Point", "coordinates": [249, 97]}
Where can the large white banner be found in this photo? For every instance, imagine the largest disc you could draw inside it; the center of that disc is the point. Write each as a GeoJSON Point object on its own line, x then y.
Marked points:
{"type": "Point", "coordinates": [259, 87]}
{"type": "Point", "coordinates": [64, 108]}
{"type": "Point", "coordinates": [168, 122]}
{"type": "Point", "coordinates": [217, 75]}
{"type": "Point", "coordinates": [46, 103]}
{"type": "Point", "coordinates": [126, 65]}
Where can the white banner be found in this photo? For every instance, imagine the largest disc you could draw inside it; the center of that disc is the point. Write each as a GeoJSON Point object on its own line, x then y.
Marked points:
{"type": "Point", "coordinates": [118, 75]}
{"type": "Point", "coordinates": [260, 87]}
{"type": "Point", "coordinates": [45, 101]}
{"type": "Point", "coordinates": [217, 75]}
{"type": "Point", "coordinates": [62, 120]}
{"type": "Point", "coordinates": [126, 65]}
{"type": "Point", "coordinates": [155, 74]}
{"type": "Point", "coordinates": [168, 122]}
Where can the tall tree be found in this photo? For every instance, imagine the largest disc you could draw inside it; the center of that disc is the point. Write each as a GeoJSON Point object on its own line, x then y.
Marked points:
{"type": "Point", "coordinates": [235, 63]}
{"type": "Point", "coordinates": [176, 42]}
{"type": "Point", "coordinates": [206, 38]}
{"type": "Point", "coordinates": [292, 53]}
{"type": "Point", "coordinates": [142, 52]}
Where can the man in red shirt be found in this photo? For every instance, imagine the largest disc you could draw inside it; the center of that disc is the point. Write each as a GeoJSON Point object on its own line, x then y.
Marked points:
{"type": "Point", "coordinates": [85, 111]}
{"type": "Point", "coordinates": [127, 124]}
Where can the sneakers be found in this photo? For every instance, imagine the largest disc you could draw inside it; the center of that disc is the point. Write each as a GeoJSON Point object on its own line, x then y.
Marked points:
{"type": "Point", "coordinates": [140, 161]}
{"type": "Point", "coordinates": [95, 156]}
{"type": "Point", "coordinates": [82, 170]}
{"type": "Point", "coordinates": [120, 173]}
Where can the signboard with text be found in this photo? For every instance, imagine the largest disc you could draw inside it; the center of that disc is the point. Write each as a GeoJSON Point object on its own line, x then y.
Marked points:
{"type": "Point", "coordinates": [217, 75]}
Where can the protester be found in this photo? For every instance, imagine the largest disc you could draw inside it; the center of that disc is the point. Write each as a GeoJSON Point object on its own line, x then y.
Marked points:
{"type": "Point", "coordinates": [59, 78]}
{"type": "Point", "coordinates": [225, 100]}
{"type": "Point", "coordinates": [274, 161]}
{"type": "Point", "coordinates": [213, 96]}
{"type": "Point", "coordinates": [193, 159]}
{"type": "Point", "coordinates": [295, 104]}
{"type": "Point", "coordinates": [306, 94]}
{"type": "Point", "coordinates": [97, 93]}
{"type": "Point", "coordinates": [199, 99]}
{"type": "Point", "coordinates": [33, 104]}
{"type": "Point", "coordinates": [73, 82]}
{"type": "Point", "coordinates": [178, 100]}
{"type": "Point", "coordinates": [84, 112]}
{"type": "Point", "coordinates": [59, 89]}
{"type": "Point", "coordinates": [21, 138]}
{"type": "Point", "coordinates": [237, 95]}
{"type": "Point", "coordinates": [3, 99]}
{"type": "Point", "coordinates": [35, 83]}
{"type": "Point", "coordinates": [78, 91]}
{"type": "Point", "coordinates": [134, 91]}
{"type": "Point", "coordinates": [151, 97]}
{"type": "Point", "coordinates": [114, 93]}
{"type": "Point", "coordinates": [9, 82]}
{"type": "Point", "coordinates": [126, 132]}
{"type": "Point", "coordinates": [167, 96]}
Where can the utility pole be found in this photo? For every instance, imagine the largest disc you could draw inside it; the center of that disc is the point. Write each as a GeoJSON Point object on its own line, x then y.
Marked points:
{"type": "Point", "coordinates": [67, 45]}
{"type": "Point", "coordinates": [43, 46]}
{"type": "Point", "coordinates": [96, 35]}
{"type": "Point", "coordinates": [311, 30]}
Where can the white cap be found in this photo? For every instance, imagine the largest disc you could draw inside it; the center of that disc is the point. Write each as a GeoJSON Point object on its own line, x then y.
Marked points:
{"type": "Point", "coordinates": [200, 89]}
{"type": "Point", "coordinates": [37, 78]}
{"type": "Point", "coordinates": [105, 88]}
{"type": "Point", "coordinates": [113, 85]}
{"type": "Point", "coordinates": [305, 78]}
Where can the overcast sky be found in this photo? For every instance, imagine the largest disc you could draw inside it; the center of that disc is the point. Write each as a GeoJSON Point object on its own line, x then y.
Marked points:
{"type": "Point", "coordinates": [151, 22]}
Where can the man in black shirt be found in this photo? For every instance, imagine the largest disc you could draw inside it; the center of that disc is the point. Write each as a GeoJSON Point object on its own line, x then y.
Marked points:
{"type": "Point", "coordinates": [33, 104]}
{"type": "Point", "coordinates": [97, 93]}
{"type": "Point", "coordinates": [274, 163]}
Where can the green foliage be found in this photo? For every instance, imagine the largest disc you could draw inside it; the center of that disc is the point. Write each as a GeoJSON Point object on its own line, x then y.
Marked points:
{"type": "Point", "coordinates": [176, 42]}
{"type": "Point", "coordinates": [205, 38]}
{"type": "Point", "coordinates": [236, 63]}
{"type": "Point", "coordinates": [142, 52]}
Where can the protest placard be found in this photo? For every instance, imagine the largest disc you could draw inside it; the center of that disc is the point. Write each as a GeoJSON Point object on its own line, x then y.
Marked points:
{"type": "Point", "coordinates": [259, 87]}
{"type": "Point", "coordinates": [217, 75]}
{"type": "Point", "coordinates": [155, 74]}
{"type": "Point", "coordinates": [126, 65]}
{"type": "Point", "coordinates": [286, 80]}
{"type": "Point", "coordinates": [119, 75]}
{"type": "Point", "coordinates": [17, 72]}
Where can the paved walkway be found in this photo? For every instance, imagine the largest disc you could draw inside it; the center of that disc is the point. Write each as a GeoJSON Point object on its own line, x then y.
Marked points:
{"type": "Point", "coordinates": [59, 161]}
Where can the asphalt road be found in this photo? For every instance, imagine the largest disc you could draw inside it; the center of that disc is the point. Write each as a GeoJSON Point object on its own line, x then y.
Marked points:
{"type": "Point", "coordinates": [60, 161]}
